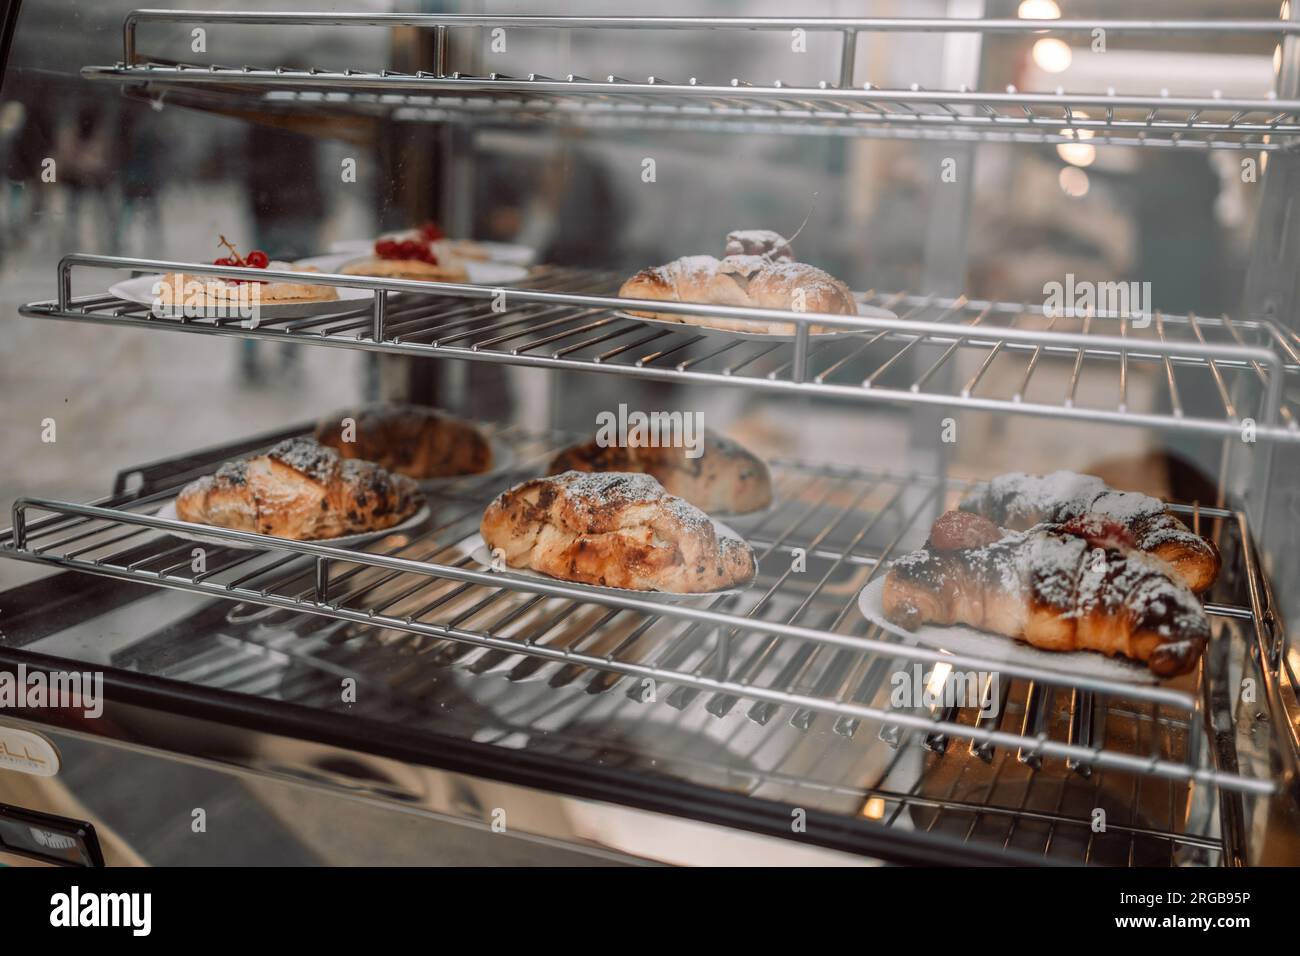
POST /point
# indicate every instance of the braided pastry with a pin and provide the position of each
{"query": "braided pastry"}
(299, 490)
(614, 529)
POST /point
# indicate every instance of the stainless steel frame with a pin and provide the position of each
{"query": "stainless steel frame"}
(787, 645)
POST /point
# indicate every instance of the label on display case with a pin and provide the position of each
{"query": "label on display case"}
(27, 752)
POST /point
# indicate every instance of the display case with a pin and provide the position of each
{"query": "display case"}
(762, 726)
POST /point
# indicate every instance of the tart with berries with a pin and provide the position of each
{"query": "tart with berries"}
(213, 291)
(416, 254)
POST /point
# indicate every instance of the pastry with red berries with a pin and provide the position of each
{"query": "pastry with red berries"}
(1096, 511)
(217, 291)
(421, 254)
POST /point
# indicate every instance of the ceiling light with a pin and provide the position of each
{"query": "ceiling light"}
(1052, 55)
(1039, 10)
(1074, 181)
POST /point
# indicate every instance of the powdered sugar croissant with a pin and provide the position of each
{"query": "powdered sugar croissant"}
(614, 529)
(757, 272)
(1050, 588)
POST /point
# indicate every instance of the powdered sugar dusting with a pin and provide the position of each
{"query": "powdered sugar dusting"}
(1062, 572)
(316, 461)
(1018, 500)
(601, 489)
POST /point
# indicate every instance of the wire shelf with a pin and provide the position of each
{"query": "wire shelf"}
(984, 796)
(1187, 373)
(792, 643)
(834, 105)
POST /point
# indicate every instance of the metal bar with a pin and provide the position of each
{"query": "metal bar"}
(848, 57)
(1267, 27)
(642, 368)
(377, 316)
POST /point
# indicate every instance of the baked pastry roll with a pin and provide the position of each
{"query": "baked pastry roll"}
(1049, 588)
(725, 479)
(301, 490)
(758, 271)
(411, 440)
(1019, 501)
(616, 530)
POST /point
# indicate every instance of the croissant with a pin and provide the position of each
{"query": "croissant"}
(745, 280)
(1020, 501)
(299, 490)
(725, 478)
(614, 529)
(409, 439)
(1050, 588)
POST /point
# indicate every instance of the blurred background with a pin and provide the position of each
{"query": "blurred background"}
(157, 181)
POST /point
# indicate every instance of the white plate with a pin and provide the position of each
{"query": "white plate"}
(477, 549)
(140, 290)
(960, 639)
(507, 252)
(864, 310)
(345, 541)
(503, 459)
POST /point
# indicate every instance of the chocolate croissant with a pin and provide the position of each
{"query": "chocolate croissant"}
(1049, 588)
(299, 490)
(1019, 501)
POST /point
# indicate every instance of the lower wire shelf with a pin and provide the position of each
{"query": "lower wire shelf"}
(789, 666)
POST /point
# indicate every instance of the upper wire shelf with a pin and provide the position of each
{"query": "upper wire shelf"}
(1183, 373)
(834, 105)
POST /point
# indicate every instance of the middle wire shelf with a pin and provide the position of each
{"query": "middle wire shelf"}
(1185, 373)
(794, 642)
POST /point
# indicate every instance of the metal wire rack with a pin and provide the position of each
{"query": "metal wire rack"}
(1104, 366)
(833, 105)
(987, 795)
(793, 644)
